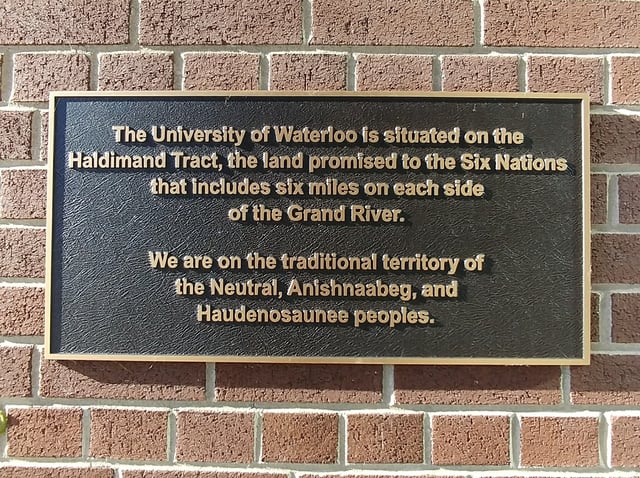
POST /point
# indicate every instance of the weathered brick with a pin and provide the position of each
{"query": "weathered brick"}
(595, 317)
(609, 380)
(129, 434)
(478, 385)
(22, 252)
(470, 440)
(15, 135)
(379, 438)
(615, 258)
(221, 71)
(625, 441)
(480, 73)
(298, 383)
(198, 474)
(629, 199)
(403, 22)
(23, 193)
(308, 72)
(218, 437)
(135, 71)
(122, 380)
(394, 72)
(625, 310)
(300, 437)
(559, 441)
(51, 22)
(615, 139)
(224, 22)
(598, 199)
(21, 311)
(562, 23)
(566, 74)
(36, 74)
(15, 363)
(45, 471)
(625, 79)
(44, 432)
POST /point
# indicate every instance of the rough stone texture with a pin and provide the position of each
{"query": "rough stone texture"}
(15, 135)
(629, 199)
(615, 139)
(64, 22)
(625, 442)
(598, 199)
(221, 71)
(44, 136)
(609, 380)
(478, 385)
(470, 440)
(15, 363)
(223, 22)
(36, 74)
(559, 441)
(218, 437)
(402, 22)
(625, 310)
(625, 79)
(562, 23)
(44, 432)
(122, 380)
(298, 383)
(394, 72)
(615, 258)
(198, 474)
(23, 193)
(480, 73)
(595, 317)
(308, 72)
(381, 438)
(21, 311)
(22, 252)
(135, 71)
(129, 434)
(566, 74)
(300, 437)
(45, 471)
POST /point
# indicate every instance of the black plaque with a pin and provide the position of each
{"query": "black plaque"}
(379, 228)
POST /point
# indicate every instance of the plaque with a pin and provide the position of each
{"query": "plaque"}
(318, 227)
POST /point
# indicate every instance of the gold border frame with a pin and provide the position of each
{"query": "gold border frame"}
(586, 233)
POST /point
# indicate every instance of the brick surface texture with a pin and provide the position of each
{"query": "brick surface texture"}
(625, 82)
(308, 72)
(394, 72)
(16, 366)
(625, 441)
(15, 141)
(22, 252)
(625, 310)
(36, 74)
(133, 71)
(55, 472)
(480, 73)
(24, 194)
(221, 71)
(609, 380)
(557, 74)
(598, 199)
(629, 199)
(21, 311)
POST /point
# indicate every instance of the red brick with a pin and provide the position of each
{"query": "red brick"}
(15, 379)
(298, 383)
(480, 73)
(562, 23)
(625, 310)
(45, 432)
(478, 385)
(198, 474)
(629, 199)
(22, 252)
(224, 22)
(615, 258)
(403, 22)
(44, 135)
(595, 318)
(566, 74)
(221, 71)
(625, 442)
(470, 440)
(615, 139)
(219, 437)
(54, 472)
(15, 135)
(609, 380)
(50, 22)
(136, 71)
(24, 193)
(394, 72)
(36, 74)
(598, 199)
(21, 311)
(122, 380)
(308, 72)
(396, 438)
(129, 434)
(300, 437)
(559, 441)
(625, 79)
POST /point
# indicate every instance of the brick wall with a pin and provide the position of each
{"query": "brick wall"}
(162, 420)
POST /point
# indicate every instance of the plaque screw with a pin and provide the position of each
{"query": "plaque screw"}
(3, 422)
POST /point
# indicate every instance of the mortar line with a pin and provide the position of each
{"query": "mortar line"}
(257, 436)
(134, 24)
(36, 136)
(427, 457)
(4, 443)
(514, 447)
(210, 382)
(436, 73)
(172, 436)
(523, 73)
(86, 432)
(604, 434)
(565, 385)
(264, 78)
(351, 80)
(478, 27)
(613, 203)
(94, 71)
(307, 22)
(605, 319)
(388, 392)
(178, 70)
(8, 64)
(342, 439)
(35, 371)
